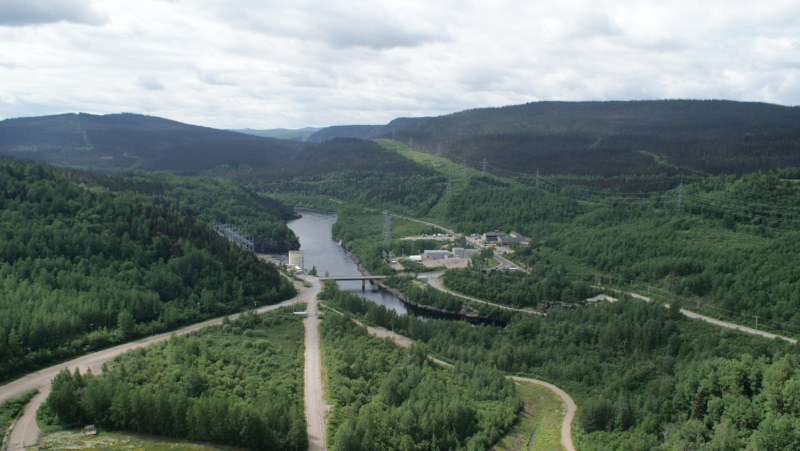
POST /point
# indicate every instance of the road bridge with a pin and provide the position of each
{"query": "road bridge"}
(363, 279)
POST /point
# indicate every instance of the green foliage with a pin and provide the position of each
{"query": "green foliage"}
(427, 295)
(11, 408)
(606, 138)
(545, 283)
(123, 142)
(212, 200)
(632, 369)
(356, 171)
(237, 384)
(391, 398)
(74, 260)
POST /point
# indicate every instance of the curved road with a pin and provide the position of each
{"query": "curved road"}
(566, 424)
(26, 432)
(717, 322)
(436, 283)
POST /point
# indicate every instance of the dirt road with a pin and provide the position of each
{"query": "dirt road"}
(566, 424)
(435, 282)
(717, 322)
(26, 431)
(314, 396)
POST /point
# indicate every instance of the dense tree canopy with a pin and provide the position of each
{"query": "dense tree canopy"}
(81, 269)
(236, 384)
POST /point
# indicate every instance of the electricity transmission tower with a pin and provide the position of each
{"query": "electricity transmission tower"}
(438, 152)
(679, 205)
(387, 229)
(449, 189)
(483, 168)
(537, 177)
(464, 175)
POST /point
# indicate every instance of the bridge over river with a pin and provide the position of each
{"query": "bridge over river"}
(363, 279)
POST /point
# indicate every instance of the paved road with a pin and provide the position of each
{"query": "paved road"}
(314, 396)
(26, 431)
(745, 329)
(566, 424)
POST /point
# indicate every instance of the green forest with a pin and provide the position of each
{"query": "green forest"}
(643, 377)
(84, 268)
(239, 384)
(391, 398)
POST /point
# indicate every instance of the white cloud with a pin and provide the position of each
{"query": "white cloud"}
(272, 64)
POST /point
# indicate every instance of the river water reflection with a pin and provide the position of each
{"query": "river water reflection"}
(319, 249)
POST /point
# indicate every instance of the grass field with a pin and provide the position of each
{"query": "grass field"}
(541, 416)
(75, 440)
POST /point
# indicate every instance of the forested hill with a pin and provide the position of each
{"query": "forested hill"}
(130, 141)
(362, 131)
(82, 269)
(665, 137)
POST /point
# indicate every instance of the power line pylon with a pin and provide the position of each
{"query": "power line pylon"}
(483, 168)
(387, 229)
(438, 152)
(449, 188)
(537, 177)
(464, 175)
(679, 204)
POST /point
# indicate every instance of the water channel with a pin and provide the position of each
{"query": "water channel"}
(320, 249)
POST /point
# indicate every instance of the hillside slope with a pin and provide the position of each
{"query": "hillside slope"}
(82, 269)
(129, 141)
(619, 138)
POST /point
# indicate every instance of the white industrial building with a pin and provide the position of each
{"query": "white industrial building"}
(436, 254)
(460, 252)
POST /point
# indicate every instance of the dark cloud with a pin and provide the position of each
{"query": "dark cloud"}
(17, 13)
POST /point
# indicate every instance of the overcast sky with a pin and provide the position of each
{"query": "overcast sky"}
(269, 64)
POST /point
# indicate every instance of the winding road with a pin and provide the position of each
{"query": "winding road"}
(26, 432)
(566, 424)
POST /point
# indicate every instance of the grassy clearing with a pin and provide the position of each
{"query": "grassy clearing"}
(75, 440)
(542, 415)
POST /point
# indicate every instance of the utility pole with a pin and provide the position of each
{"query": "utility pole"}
(483, 168)
(387, 229)
(438, 152)
(410, 143)
(537, 177)
(679, 205)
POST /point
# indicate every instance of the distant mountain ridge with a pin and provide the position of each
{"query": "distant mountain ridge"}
(665, 137)
(119, 142)
(363, 131)
(300, 134)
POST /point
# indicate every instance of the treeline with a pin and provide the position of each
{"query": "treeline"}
(357, 171)
(544, 283)
(604, 138)
(426, 295)
(124, 142)
(213, 200)
(82, 269)
(391, 398)
(237, 384)
(643, 377)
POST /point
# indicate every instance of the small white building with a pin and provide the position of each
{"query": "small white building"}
(415, 258)
(436, 254)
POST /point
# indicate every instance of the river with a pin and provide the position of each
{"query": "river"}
(319, 249)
